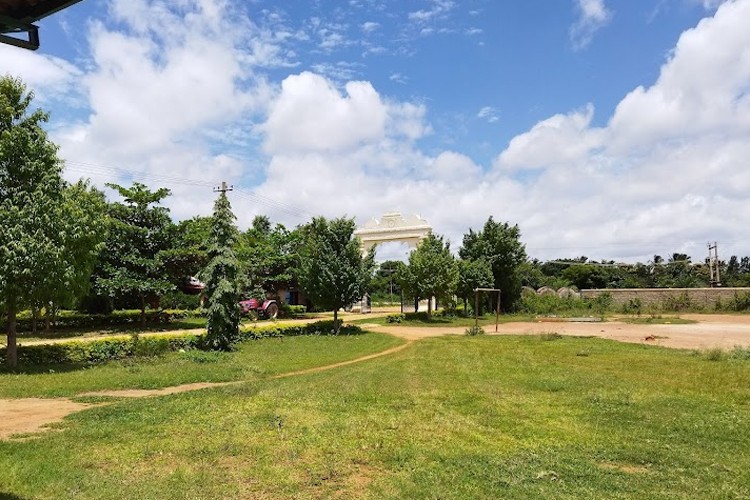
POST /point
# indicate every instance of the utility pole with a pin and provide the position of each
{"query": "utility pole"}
(713, 264)
(223, 188)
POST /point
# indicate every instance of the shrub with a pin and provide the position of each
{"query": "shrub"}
(395, 318)
(715, 354)
(474, 330)
(75, 320)
(97, 351)
(291, 311)
(602, 303)
(552, 304)
(633, 306)
(679, 303)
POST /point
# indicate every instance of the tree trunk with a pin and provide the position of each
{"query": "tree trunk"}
(466, 307)
(416, 304)
(429, 308)
(11, 349)
(336, 321)
(34, 319)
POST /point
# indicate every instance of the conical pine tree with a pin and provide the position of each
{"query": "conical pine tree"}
(221, 277)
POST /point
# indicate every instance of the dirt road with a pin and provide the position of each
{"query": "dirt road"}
(711, 330)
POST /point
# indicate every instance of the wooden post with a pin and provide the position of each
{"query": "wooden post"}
(476, 308)
(497, 311)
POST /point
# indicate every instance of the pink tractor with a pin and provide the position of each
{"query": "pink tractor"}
(268, 309)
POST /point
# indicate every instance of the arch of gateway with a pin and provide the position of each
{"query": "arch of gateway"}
(393, 226)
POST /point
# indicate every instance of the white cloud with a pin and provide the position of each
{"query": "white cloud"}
(593, 15)
(488, 113)
(439, 8)
(370, 26)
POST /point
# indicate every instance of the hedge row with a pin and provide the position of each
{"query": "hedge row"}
(97, 351)
(74, 320)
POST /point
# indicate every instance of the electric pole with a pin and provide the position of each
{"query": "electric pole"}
(713, 264)
(223, 188)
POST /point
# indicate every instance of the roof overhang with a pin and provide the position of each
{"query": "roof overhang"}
(17, 18)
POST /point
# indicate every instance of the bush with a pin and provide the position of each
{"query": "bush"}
(75, 320)
(395, 318)
(633, 306)
(552, 304)
(679, 303)
(474, 330)
(81, 352)
(291, 311)
(180, 300)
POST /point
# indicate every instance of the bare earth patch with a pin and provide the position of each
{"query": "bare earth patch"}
(29, 415)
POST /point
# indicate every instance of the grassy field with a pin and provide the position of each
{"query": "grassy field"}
(448, 417)
(485, 320)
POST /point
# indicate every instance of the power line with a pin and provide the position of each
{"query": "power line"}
(97, 169)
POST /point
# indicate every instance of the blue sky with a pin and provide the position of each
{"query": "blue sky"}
(613, 129)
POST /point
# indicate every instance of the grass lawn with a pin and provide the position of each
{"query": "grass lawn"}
(485, 320)
(448, 417)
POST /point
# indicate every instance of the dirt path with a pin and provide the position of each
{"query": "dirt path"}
(30, 415)
(724, 331)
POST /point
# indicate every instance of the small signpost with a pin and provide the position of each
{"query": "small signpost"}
(476, 305)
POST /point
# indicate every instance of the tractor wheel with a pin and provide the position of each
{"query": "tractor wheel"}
(272, 311)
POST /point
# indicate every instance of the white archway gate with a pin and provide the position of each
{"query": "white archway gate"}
(393, 227)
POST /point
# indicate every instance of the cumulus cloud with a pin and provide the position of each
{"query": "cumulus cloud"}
(665, 172)
(593, 15)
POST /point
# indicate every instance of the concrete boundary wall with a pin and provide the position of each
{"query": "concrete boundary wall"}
(704, 297)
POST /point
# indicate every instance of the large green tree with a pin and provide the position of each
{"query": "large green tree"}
(472, 274)
(432, 271)
(140, 233)
(46, 234)
(221, 277)
(333, 271)
(500, 245)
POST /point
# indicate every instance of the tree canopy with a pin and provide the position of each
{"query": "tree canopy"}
(333, 271)
(221, 276)
(49, 231)
(499, 244)
(431, 272)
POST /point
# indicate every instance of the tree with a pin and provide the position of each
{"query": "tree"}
(221, 276)
(500, 245)
(45, 239)
(268, 258)
(472, 274)
(432, 271)
(333, 271)
(84, 210)
(140, 233)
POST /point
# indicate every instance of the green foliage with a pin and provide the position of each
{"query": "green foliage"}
(500, 245)
(291, 311)
(473, 274)
(395, 318)
(268, 258)
(474, 330)
(633, 306)
(333, 271)
(97, 351)
(140, 233)
(122, 318)
(602, 303)
(431, 272)
(552, 304)
(680, 302)
(49, 231)
(222, 276)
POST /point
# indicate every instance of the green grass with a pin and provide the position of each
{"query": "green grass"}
(656, 320)
(252, 360)
(448, 417)
(458, 321)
